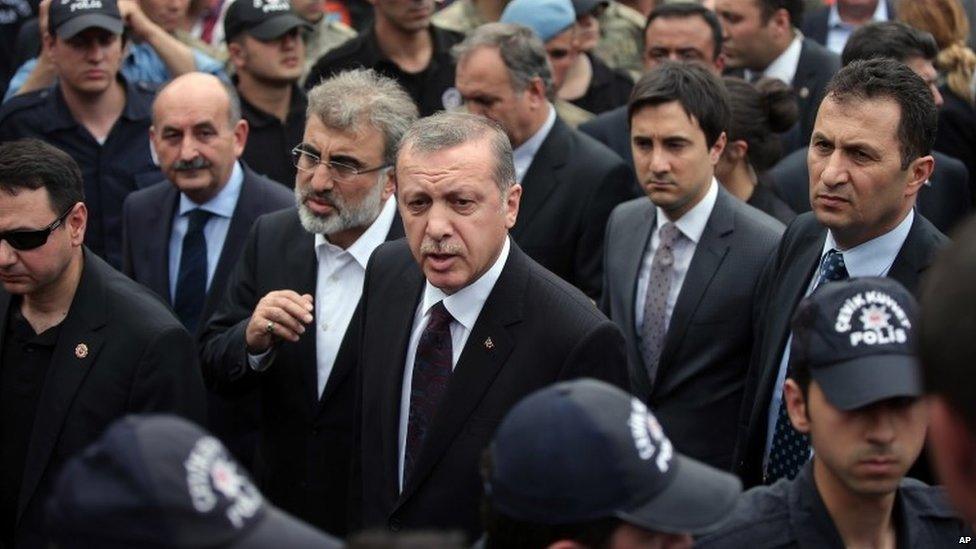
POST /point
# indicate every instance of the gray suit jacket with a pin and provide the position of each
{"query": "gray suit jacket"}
(698, 387)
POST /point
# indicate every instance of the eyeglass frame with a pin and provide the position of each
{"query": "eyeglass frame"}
(46, 231)
(299, 152)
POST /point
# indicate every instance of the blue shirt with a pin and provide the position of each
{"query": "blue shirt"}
(215, 231)
(872, 258)
(142, 64)
(838, 31)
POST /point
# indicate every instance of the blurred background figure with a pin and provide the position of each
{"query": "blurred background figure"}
(760, 113)
(833, 24)
(161, 481)
(590, 83)
(327, 31)
(947, 22)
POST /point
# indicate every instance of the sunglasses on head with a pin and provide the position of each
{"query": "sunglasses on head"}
(30, 239)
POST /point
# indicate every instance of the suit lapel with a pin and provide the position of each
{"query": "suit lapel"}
(633, 249)
(479, 363)
(912, 258)
(300, 268)
(542, 176)
(156, 248)
(79, 343)
(709, 254)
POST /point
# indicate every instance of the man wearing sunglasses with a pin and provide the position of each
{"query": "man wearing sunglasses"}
(282, 326)
(80, 344)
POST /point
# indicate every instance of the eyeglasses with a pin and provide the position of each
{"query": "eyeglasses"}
(28, 240)
(307, 162)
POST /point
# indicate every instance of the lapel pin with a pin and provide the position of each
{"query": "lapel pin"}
(489, 344)
(81, 350)
(804, 92)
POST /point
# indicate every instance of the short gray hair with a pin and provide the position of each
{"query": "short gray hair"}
(521, 50)
(358, 96)
(446, 130)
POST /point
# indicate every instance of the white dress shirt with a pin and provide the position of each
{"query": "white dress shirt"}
(338, 287)
(215, 231)
(838, 31)
(465, 306)
(784, 66)
(691, 226)
(522, 156)
(872, 258)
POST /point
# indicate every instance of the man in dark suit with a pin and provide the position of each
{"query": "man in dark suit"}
(945, 199)
(457, 325)
(683, 263)
(761, 40)
(282, 325)
(80, 344)
(571, 182)
(869, 156)
(831, 26)
(681, 31)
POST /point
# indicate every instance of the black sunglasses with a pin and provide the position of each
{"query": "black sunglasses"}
(28, 240)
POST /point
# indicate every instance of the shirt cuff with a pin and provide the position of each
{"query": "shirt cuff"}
(261, 361)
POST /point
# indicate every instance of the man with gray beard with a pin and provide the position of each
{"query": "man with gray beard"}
(282, 324)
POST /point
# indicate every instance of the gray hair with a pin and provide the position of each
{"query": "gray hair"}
(233, 100)
(446, 130)
(521, 50)
(353, 97)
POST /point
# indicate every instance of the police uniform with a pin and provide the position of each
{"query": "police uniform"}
(325, 36)
(432, 89)
(110, 170)
(269, 141)
(621, 43)
(792, 514)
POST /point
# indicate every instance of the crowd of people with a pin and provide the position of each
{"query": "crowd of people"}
(493, 273)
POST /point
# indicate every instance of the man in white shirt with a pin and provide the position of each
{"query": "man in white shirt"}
(683, 263)
(458, 325)
(832, 25)
(283, 324)
(869, 156)
(761, 40)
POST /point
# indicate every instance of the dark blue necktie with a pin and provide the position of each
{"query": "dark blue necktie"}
(191, 282)
(431, 372)
(790, 448)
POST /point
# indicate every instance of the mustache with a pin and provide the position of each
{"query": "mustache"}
(439, 248)
(324, 196)
(197, 163)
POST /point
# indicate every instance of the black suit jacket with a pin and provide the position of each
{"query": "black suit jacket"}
(303, 452)
(945, 200)
(816, 67)
(815, 24)
(784, 283)
(956, 135)
(613, 130)
(568, 193)
(139, 359)
(697, 389)
(534, 330)
(147, 223)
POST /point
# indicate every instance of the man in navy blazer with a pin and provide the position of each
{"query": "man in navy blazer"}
(707, 278)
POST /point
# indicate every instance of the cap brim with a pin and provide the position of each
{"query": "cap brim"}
(861, 381)
(72, 27)
(696, 501)
(276, 27)
(279, 529)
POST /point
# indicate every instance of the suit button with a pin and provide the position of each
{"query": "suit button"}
(395, 525)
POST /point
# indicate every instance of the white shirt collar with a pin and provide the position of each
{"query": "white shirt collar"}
(834, 20)
(874, 257)
(465, 304)
(224, 202)
(363, 247)
(784, 66)
(522, 156)
(692, 224)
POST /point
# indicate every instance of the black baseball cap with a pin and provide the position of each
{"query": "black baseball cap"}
(584, 450)
(263, 19)
(161, 481)
(857, 338)
(69, 17)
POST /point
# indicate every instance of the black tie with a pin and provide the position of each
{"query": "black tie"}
(191, 283)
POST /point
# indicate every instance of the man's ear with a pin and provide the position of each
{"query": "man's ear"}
(236, 54)
(389, 183)
(715, 152)
(796, 406)
(77, 221)
(919, 171)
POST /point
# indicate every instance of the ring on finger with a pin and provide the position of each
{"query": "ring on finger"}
(270, 327)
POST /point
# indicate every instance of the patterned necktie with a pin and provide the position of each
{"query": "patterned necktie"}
(431, 372)
(191, 282)
(790, 448)
(656, 304)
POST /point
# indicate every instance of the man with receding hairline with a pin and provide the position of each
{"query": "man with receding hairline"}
(457, 325)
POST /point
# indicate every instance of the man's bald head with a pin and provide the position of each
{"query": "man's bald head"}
(194, 87)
